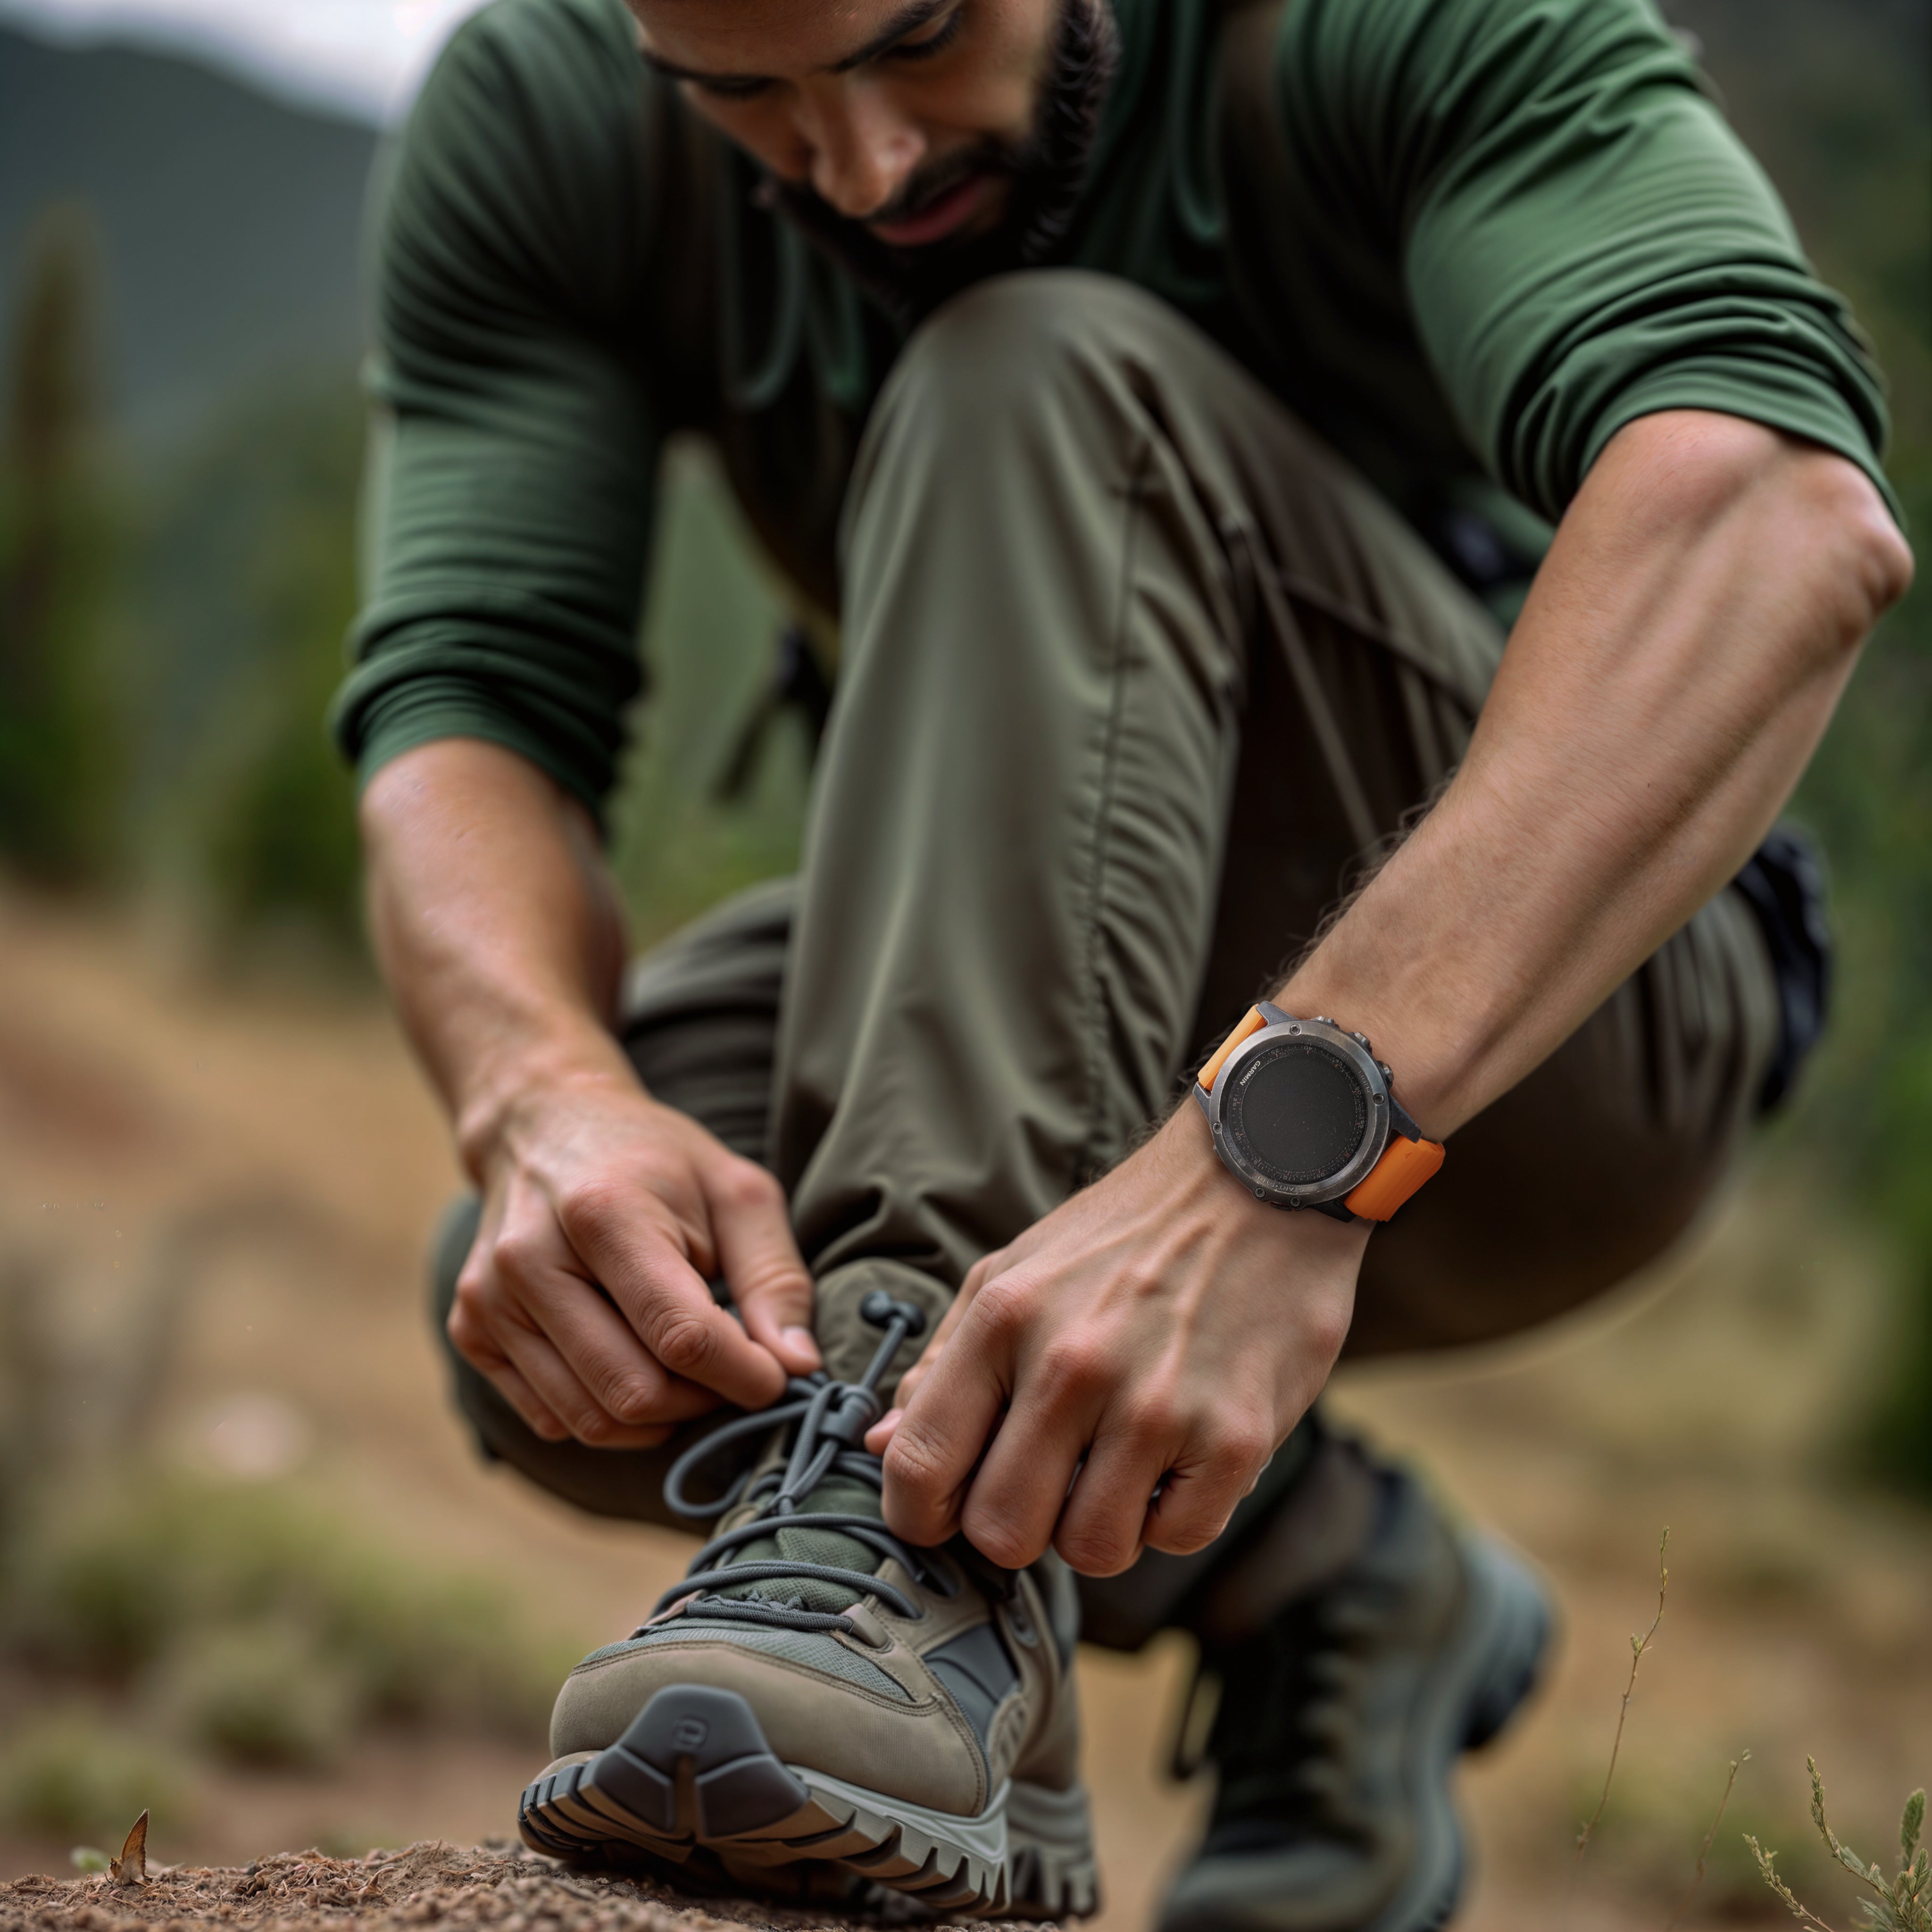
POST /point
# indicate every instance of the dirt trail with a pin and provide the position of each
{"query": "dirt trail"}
(434, 1883)
(271, 1162)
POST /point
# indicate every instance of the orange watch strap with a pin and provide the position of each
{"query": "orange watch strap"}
(1250, 1024)
(1405, 1165)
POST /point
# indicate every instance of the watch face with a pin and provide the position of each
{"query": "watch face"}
(1297, 1113)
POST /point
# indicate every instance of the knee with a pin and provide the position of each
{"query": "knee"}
(994, 353)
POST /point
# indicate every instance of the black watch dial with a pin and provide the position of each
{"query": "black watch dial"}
(1296, 1114)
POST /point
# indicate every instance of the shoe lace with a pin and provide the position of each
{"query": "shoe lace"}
(831, 1419)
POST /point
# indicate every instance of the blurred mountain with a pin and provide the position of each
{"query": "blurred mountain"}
(227, 224)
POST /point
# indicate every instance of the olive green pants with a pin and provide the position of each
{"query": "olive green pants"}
(1135, 671)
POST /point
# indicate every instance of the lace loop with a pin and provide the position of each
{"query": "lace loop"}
(831, 1419)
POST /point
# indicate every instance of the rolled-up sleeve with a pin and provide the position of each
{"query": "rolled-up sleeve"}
(513, 452)
(1583, 239)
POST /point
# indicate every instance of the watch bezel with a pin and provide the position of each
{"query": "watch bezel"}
(1325, 1035)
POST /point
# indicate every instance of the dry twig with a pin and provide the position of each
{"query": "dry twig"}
(1638, 1645)
(1710, 1838)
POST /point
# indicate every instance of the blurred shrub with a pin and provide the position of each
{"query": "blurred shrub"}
(268, 1694)
(1648, 1840)
(1898, 1901)
(60, 755)
(69, 1774)
(220, 1601)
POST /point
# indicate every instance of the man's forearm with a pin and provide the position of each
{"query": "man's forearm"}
(1678, 659)
(496, 926)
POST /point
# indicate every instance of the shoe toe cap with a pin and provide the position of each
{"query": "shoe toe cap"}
(820, 1705)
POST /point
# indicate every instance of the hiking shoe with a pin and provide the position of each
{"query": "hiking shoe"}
(1340, 1721)
(819, 1706)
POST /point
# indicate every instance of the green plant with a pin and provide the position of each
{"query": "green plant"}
(130, 1585)
(266, 1694)
(1901, 1903)
(69, 1774)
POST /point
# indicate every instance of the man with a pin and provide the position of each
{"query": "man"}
(1172, 402)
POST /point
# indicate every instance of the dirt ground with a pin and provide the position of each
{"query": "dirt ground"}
(265, 1164)
(452, 1886)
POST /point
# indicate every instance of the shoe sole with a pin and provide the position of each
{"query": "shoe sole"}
(1486, 1677)
(694, 1775)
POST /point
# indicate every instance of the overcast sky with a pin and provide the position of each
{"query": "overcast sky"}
(362, 57)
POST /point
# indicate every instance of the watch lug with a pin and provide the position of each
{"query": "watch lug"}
(1400, 1121)
(1202, 1101)
(1272, 1013)
(1336, 1210)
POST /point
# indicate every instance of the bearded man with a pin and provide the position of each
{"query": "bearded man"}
(1345, 520)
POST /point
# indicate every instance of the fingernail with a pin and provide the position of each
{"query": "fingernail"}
(800, 1338)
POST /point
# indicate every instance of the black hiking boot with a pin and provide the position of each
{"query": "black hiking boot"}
(1341, 1717)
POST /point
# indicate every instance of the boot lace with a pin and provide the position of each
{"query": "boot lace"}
(831, 1419)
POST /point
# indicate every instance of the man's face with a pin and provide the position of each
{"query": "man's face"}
(909, 118)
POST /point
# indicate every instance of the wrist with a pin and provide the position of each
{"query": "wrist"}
(1285, 1251)
(516, 1090)
(1189, 1166)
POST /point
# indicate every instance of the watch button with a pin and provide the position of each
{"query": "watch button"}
(1322, 1019)
(1386, 1071)
(1361, 1039)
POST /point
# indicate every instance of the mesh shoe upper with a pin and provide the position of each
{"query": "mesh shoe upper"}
(928, 1674)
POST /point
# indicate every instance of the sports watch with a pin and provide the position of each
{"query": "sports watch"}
(1303, 1115)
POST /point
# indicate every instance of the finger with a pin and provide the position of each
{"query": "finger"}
(881, 1432)
(532, 1281)
(770, 1286)
(1198, 1496)
(667, 1303)
(939, 1439)
(1014, 1501)
(1103, 1522)
(489, 1362)
(472, 1335)
(538, 1417)
(557, 1385)
(633, 1389)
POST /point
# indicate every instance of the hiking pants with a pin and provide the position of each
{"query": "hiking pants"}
(1134, 670)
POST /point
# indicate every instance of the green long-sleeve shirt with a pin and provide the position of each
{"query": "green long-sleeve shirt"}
(1468, 240)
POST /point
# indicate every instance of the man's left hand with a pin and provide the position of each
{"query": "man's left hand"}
(1117, 1378)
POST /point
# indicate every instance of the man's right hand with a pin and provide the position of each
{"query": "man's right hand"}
(605, 1215)
(584, 1298)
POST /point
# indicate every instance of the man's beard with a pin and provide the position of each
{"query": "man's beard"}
(1046, 170)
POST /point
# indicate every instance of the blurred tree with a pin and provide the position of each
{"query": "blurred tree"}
(1844, 122)
(58, 749)
(1836, 100)
(247, 584)
(282, 838)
